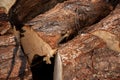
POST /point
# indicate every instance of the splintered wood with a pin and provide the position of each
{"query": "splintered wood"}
(95, 54)
(45, 32)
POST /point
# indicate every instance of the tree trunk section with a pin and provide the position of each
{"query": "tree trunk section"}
(93, 55)
(13, 65)
(45, 32)
(24, 10)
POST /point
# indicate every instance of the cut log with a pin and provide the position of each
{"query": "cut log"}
(25, 10)
(93, 55)
(108, 30)
(46, 31)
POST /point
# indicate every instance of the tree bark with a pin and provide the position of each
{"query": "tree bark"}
(65, 20)
(24, 10)
(12, 61)
(92, 55)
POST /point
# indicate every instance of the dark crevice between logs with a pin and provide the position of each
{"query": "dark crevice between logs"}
(41, 70)
(66, 39)
(114, 2)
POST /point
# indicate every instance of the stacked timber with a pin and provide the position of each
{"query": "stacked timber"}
(94, 54)
(46, 31)
(62, 39)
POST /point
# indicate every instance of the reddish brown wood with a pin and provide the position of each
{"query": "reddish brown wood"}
(24, 10)
(48, 30)
(13, 65)
(92, 56)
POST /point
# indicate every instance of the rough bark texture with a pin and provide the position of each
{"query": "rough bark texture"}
(12, 61)
(58, 24)
(24, 10)
(94, 56)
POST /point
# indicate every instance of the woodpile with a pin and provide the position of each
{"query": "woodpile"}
(58, 24)
(60, 39)
(95, 54)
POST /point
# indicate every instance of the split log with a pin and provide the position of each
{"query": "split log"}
(93, 55)
(24, 10)
(58, 24)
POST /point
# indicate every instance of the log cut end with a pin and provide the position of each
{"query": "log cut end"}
(110, 39)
